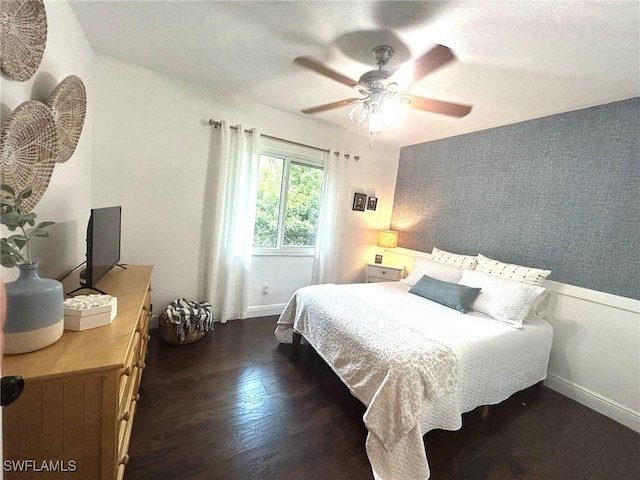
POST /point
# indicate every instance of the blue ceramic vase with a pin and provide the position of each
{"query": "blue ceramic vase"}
(35, 311)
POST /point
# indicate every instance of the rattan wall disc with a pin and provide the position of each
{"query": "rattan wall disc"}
(68, 104)
(23, 35)
(28, 148)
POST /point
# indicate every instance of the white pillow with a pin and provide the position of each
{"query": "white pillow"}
(460, 261)
(439, 271)
(531, 276)
(502, 299)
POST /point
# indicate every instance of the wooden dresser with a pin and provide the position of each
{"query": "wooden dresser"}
(76, 411)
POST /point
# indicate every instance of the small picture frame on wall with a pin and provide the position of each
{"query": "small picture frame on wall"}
(372, 203)
(359, 201)
(378, 259)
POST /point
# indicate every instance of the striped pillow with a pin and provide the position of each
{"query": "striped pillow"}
(461, 261)
(511, 271)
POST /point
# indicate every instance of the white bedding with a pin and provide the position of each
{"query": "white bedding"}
(451, 362)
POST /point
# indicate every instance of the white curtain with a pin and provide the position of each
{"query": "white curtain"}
(325, 262)
(228, 219)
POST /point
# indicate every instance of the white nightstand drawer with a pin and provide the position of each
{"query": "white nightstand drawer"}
(378, 279)
(383, 272)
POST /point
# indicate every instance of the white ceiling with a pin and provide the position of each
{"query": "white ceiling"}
(516, 60)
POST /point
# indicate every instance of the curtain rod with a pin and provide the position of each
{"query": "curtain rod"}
(215, 124)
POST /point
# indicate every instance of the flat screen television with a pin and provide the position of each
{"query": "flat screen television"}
(103, 245)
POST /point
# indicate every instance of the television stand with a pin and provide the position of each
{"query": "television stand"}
(68, 294)
(82, 279)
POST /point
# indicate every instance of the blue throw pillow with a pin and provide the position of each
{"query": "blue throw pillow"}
(451, 295)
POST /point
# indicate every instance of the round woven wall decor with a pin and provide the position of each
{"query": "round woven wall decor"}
(23, 35)
(28, 148)
(68, 104)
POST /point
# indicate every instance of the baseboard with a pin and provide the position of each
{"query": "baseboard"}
(264, 310)
(251, 312)
(594, 401)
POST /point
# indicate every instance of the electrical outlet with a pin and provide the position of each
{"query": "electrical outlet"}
(265, 289)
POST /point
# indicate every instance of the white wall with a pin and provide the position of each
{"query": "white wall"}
(151, 141)
(283, 275)
(67, 200)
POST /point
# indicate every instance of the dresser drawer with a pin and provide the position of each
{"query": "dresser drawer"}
(383, 272)
(128, 373)
(124, 433)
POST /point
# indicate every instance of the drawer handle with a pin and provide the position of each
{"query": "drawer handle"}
(141, 365)
(384, 272)
(125, 416)
(125, 459)
(126, 372)
(135, 398)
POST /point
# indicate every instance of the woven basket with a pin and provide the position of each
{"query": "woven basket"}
(23, 36)
(185, 321)
(28, 148)
(168, 333)
(68, 104)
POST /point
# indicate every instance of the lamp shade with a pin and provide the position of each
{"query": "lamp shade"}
(387, 239)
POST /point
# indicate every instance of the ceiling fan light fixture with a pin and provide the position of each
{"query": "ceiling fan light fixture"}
(376, 121)
(358, 113)
(391, 112)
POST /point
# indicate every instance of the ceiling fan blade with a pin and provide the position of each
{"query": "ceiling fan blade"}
(422, 66)
(329, 106)
(322, 69)
(437, 106)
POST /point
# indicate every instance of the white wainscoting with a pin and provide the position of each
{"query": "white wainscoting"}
(595, 357)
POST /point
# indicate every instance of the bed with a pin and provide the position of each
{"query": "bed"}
(416, 364)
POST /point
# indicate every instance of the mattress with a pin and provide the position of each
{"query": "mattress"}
(491, 361)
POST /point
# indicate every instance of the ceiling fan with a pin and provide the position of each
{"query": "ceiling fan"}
(381, 99)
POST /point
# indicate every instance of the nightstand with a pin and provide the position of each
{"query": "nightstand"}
(383, 273)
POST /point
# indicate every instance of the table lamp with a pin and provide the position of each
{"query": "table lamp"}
(386, 239)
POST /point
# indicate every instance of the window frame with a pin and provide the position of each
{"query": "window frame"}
(288, 157)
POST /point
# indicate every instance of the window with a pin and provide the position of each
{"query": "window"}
(288, 203)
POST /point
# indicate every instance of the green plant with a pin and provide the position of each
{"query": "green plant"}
(12, 216)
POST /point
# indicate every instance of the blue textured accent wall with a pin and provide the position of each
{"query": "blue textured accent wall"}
(560, 192)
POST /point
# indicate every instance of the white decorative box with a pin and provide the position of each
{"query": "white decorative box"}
(89, 311)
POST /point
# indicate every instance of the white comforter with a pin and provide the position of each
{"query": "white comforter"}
(415, 364)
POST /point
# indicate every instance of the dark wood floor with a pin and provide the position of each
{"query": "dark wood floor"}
(233, 406)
